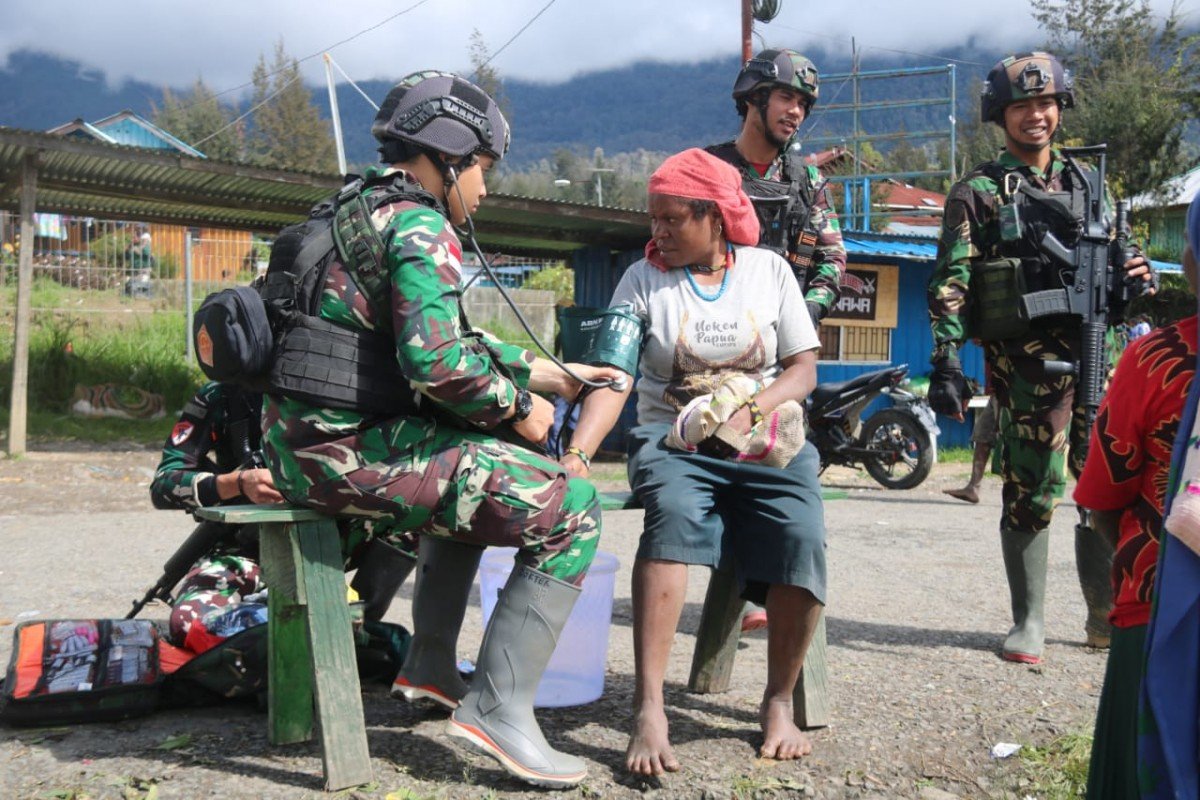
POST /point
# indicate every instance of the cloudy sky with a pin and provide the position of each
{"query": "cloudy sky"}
(173, 43)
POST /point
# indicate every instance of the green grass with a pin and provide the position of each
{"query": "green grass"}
(1059, 770)
(145, 351)
(955, 455)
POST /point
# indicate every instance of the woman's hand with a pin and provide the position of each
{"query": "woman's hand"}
(575, 466)
(741, 420)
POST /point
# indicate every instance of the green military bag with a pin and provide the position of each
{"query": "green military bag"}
(996, 289)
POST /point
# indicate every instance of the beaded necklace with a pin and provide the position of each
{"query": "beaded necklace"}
(727, 266)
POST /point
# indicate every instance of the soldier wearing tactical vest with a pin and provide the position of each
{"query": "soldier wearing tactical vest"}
(774, 93)
(458, 467)
(993, 221)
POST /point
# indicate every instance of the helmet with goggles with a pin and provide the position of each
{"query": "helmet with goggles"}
(772, 68)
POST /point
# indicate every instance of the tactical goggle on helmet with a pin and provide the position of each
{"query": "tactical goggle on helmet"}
(778, 68)
(442, 112)
(1022, 77)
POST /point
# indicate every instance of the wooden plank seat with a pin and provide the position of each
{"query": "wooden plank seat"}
(310, 642)
(721, 628)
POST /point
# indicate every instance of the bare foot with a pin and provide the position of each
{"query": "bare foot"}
(649, 752)
(781, 738)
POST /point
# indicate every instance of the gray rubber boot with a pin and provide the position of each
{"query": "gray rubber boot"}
(1025, 556)
(381, 572)
(1093, 561)
(445, 572)
(496, 716)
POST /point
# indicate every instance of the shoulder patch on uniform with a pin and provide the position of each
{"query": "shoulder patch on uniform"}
(181, 432)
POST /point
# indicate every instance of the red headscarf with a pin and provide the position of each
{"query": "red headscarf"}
(698, 175)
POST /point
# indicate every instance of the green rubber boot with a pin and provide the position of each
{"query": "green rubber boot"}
(1093, 561)
(496, 716)
(1025, 556)
(445, 572)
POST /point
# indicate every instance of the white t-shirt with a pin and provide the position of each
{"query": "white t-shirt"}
(690, 342)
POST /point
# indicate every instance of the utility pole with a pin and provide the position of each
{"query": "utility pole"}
(747, 30)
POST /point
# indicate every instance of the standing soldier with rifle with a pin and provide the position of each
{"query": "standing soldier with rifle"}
(1027, 264)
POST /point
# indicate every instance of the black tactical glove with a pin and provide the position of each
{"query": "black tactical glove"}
(816, 312)
(948, 389)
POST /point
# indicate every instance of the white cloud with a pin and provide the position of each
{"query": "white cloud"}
(220, 40)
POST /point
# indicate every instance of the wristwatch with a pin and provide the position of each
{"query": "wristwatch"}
(524, 405)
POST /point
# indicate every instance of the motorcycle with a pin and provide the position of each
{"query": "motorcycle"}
(896, 445)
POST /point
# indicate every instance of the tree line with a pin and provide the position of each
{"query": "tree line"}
(1136, 73)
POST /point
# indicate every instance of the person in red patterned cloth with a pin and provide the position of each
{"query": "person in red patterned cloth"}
(1124, 483)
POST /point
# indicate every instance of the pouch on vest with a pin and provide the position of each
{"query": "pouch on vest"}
(83, 670)
(996, 289)
(233, 337)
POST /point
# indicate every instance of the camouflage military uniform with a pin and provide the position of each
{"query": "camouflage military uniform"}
(1037, 413)
(219, 432)
(444, 472)
(823, 278)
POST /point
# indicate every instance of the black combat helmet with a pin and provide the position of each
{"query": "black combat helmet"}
(777, 68)
(440, 111)
(1021, 77)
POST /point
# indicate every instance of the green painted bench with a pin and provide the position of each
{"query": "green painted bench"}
(721, 627)
(310, 642)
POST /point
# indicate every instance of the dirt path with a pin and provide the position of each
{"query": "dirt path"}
(917, 607)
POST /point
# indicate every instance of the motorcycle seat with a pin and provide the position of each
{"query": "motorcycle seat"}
(826, 392)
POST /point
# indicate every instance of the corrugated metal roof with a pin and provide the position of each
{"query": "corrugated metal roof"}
(90, 178)
(868, 244)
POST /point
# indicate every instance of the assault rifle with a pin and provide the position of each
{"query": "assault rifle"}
(198, 544)
(1095, 285)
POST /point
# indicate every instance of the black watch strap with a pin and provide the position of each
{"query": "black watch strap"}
(524, 405)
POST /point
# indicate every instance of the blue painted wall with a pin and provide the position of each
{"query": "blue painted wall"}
(597, 272)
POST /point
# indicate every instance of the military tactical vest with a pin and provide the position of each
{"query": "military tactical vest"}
(784, 208)
(318, 361)
(1015, 263)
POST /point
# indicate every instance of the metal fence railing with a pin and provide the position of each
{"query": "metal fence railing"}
(90, 267)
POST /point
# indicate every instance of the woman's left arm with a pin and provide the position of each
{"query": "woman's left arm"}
(797, 380)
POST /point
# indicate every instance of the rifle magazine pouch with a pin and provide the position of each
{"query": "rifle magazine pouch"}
(82, 670)
(996, 289)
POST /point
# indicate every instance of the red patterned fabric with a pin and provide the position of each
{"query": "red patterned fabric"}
(1130, 456)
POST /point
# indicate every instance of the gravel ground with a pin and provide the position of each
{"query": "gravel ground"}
(917, 609)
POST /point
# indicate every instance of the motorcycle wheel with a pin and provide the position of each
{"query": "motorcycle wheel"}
(905, 454)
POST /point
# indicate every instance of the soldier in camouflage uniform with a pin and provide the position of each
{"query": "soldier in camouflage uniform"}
(211, 457)
(774, 93)
(462, 470)
(1038, 412)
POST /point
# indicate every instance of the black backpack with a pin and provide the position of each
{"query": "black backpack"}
(271, 338)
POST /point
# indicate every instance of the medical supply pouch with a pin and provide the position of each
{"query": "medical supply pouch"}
(83, 670)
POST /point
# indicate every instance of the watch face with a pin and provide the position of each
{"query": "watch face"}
(524, 405)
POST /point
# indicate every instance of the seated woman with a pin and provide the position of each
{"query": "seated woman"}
(713, 306)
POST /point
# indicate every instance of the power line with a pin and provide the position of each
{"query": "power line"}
(510, 41)
(268, 99)
(332, 46)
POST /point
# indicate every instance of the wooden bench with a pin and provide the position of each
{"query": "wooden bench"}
(721, 628)
(310, 642)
